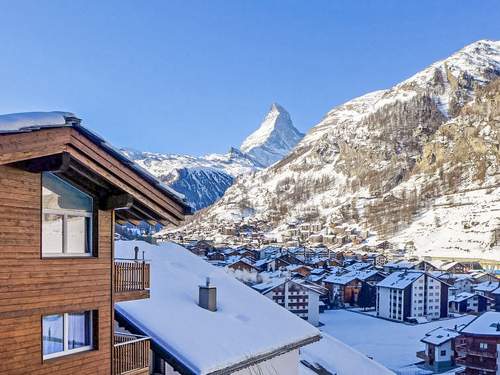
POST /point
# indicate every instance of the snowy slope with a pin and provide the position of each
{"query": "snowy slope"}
(381, 157)
(203, 180)
(274, 139)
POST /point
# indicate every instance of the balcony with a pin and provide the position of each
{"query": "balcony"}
(422, 355)
(130, 354)
(488, 365)
(131, 279)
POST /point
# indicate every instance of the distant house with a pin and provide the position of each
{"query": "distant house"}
(487, 288)
(412, 296)
(298, 296)
(496, 294)
(478, 350)
(201, 247)
(215, 326)
(466, 302)
(439, 353)
(345, 288)
(243, 264)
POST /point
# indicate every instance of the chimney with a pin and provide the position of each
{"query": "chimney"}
(208, 296)
(136, 252)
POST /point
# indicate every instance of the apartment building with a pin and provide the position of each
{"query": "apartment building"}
(412, 296)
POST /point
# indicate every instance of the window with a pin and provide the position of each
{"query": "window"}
(66, 218)
(443, 353)
(67, 333)
(483, 345)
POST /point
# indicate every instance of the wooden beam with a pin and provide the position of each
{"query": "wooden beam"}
(117, 202)
(96, 168)
(54, 163)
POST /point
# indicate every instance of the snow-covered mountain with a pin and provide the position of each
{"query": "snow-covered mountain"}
(274, 139)
(203, 180)
(400, 162)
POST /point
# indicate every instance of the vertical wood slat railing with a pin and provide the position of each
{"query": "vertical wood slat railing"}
(130, 353)
(131, 275)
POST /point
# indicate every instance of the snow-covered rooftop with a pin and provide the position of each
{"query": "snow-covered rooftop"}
(245, 325)
(486, 324)
(400, 279)
(487, 286)
(348, 277)
(15, 122)
(439, 336)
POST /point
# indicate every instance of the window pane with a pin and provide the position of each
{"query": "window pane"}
(52, 233)
(79, 229)
(79, 330)
(59, 194)
(53, 330)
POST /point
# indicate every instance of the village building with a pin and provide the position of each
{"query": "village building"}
(439, 353)
(467, 302)
(487, 288)
(344, 289)
(210, 326)
(62, 189)
(479, 347)
(298, 296)
(412, 296)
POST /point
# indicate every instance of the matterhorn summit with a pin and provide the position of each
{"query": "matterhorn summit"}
(274, 139)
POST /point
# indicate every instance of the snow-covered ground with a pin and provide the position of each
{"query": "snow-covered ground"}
(392, 344)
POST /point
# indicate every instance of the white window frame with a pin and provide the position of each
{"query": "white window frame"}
(65, 350)
(65, 214)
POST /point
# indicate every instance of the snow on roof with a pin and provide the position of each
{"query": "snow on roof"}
(16, 122)
(439, 336)
(400, 279)
(358, 266)
(400, 263)
(348, 277)
(29, 121)
(460, 297)
(339, 358)
(486, 324)
(269, 285)
(245, 325)
(487, 286)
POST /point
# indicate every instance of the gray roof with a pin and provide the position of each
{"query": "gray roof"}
(32, 121)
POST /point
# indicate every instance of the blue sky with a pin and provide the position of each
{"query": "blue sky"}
(198, 76)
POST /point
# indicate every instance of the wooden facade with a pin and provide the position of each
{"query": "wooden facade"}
(33, 286)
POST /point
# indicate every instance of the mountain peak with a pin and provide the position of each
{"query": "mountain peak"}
(274, 139)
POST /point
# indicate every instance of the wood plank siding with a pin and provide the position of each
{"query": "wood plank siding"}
(31, 287)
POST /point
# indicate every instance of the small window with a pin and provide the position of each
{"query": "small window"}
(443, 353)
(67, 333)
(67, 215)
(483, 345)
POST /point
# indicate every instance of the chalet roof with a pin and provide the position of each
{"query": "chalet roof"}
(439, 336)
(72, 147)
(358, 266)
(246, 328)
(487, 286)
(460, 297)
(487, 324)
(361, 275)
(31, 121)
(400, 279)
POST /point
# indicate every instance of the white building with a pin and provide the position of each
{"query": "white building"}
(298, 296)
(439, 353)
(412, 296)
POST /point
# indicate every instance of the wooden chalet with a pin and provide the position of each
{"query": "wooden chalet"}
(62, 189)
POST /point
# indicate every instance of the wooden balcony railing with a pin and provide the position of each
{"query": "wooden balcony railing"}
(487, 365)
(422, 355)
(130, 354)
(131, 275)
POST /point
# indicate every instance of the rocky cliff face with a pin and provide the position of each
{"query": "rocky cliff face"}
(384, 159)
